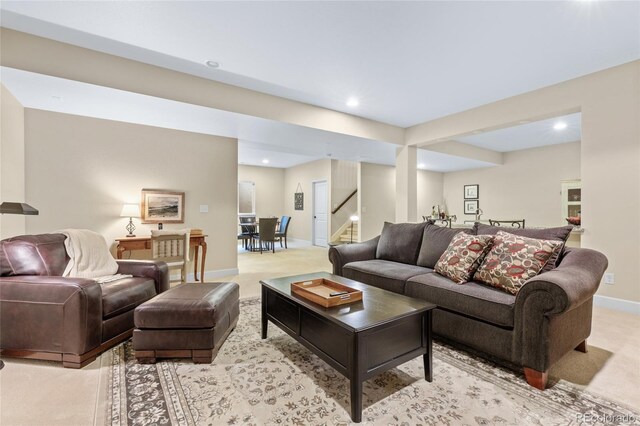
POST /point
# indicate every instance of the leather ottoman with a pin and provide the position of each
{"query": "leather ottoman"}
(191, 320)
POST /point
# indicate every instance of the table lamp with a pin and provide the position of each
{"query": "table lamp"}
(353, 218)
(130, 211)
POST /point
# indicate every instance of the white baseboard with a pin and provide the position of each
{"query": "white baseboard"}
(211, 275)
(299, 241)
(617, 304)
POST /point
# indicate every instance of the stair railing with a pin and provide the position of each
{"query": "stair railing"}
(334, 211)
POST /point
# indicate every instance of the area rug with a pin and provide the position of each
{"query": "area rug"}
(279, 382)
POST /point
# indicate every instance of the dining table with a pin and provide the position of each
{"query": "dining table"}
(255, 231)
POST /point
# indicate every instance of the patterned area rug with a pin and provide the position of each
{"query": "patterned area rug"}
(278, 381)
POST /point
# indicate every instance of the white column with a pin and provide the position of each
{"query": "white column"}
(406, 184)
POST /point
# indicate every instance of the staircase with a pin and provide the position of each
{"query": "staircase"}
(345, 237)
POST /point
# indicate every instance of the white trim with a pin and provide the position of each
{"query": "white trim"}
(210, 275)
(299, 241)
(336, 235)
(617, 304)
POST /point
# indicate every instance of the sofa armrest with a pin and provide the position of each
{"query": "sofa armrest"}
(553, 309)
(345, 253)
(157, 270)
(569, 285)
(50, 313)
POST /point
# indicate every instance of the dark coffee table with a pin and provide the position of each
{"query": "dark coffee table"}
(361, 339)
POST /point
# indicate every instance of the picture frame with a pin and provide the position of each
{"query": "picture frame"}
(298, 201)
(161, 206)
(471, 192)
(471, 206)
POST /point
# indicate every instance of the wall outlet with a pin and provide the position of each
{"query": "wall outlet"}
(204, 208)
(609, 278)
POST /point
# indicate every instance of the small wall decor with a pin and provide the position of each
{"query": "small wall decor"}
(471, 192)
(298, 198)
(159, 206)
(471, 206)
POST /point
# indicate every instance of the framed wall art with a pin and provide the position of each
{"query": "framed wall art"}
(471, 192)
(298, 198)
(471, 206)
(159, 206)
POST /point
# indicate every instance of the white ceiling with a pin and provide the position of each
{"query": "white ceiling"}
(284, 145)
(407, 62)
(529, 135)
(260, 139)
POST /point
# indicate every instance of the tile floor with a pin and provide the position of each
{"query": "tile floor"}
(43, 393)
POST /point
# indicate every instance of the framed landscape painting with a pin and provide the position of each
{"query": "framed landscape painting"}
(160, 206)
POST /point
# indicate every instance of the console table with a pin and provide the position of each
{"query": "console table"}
(144, 243)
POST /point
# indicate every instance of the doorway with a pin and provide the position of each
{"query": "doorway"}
(320, 216)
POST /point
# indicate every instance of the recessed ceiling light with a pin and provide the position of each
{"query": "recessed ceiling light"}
(265, 161)
(353, 102)
(213, 64)
(560, 125)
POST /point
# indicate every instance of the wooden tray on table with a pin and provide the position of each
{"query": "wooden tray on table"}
(326, 292)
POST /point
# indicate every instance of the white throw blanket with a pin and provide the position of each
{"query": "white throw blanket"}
(89, 256)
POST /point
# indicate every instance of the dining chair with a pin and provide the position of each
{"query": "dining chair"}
(514, 223)
(282, 231)
(247, 231)
(171, 247)
(266, 233)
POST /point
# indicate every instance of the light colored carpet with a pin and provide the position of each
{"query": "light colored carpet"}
(278, 381)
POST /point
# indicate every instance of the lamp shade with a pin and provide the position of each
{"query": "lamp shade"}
(354, 218)
(130, 210)
(17, 208)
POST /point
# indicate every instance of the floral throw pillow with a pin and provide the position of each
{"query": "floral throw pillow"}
(465, 252)
(514, 259)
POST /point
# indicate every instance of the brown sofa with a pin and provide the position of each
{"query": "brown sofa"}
(549, 316)
(46, 316)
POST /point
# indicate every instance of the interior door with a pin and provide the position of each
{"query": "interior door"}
(320, 215)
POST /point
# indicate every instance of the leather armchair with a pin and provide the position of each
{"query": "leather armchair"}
(46, 316)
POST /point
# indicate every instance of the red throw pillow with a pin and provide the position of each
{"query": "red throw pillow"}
(514, 259)
(465, 252)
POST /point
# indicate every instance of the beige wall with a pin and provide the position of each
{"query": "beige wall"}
(304, 174)
(610, 157)
(526, 186)
(12, 162)
(376, 198)
(269, 188)
(430, 191)
(81, 170)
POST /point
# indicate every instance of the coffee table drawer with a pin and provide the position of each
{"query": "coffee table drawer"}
(391, 341)
(283, 311)
(326, 336)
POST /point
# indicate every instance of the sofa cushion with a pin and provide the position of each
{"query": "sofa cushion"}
(560, 233)
(435, 240)
(124, 295)
(463, 256)
(472, 299)
(42, 254)
(384, 274)
(514, 259)
(400, 242)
